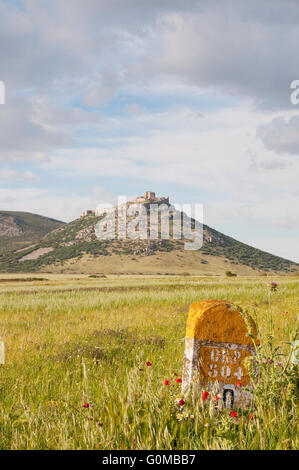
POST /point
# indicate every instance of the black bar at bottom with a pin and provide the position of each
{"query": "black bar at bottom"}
(136, 459)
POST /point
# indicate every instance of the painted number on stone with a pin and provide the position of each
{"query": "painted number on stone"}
(223, 364)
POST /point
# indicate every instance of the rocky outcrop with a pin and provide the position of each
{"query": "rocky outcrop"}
(10, 228)
(86, 233)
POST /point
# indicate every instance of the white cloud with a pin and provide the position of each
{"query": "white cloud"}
(241, 49)
(217, 151)
(44, 202)
(236, 58)
(284, 246)
(274, 213)
(21, 136)
(238, 49)
(133, 108)
(8, 174)
(281, 135)
(53, 117)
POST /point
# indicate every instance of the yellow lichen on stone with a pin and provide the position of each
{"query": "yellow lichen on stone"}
(220, 322)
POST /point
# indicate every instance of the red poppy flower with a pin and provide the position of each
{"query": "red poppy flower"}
(251, 416)
(166, 382)
(179, 381)
(239, 384)
(181, 402)
(216, 397)
(86, 405)
(148, 363)
(205, 395)
(234, 414)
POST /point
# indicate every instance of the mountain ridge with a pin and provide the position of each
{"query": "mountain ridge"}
(74, 247)
(18, 229)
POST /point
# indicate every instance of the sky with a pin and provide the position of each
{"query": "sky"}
(190, 99)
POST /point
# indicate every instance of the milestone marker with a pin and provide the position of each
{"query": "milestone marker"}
(216, 344)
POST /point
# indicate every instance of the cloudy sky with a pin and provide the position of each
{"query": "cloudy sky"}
(190, 99)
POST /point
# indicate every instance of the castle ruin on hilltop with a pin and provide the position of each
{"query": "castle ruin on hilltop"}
(148, 197)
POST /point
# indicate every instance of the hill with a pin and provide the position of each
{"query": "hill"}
(75, 248)
(18, 229)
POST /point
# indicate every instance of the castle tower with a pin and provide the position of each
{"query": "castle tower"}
(149, 195)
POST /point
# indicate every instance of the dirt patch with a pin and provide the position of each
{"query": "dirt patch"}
(37, 253)
(25, 248)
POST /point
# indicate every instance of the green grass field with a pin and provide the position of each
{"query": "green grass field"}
(71, 339)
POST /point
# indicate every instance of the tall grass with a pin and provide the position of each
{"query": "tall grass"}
(67, 346)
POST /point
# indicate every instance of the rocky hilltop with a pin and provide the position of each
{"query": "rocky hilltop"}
(75, 247)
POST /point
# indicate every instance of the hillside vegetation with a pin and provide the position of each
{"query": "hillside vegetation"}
(74, 247)
(18, 229)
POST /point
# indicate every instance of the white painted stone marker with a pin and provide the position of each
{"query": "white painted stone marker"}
(217, 342)
(2, 353)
